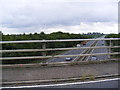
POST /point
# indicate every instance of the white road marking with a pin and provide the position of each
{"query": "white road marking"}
(89, 57)
(63, 84)
(81, 52)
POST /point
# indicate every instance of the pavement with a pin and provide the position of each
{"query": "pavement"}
(58, 72)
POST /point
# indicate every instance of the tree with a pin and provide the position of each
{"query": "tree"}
(42, 32)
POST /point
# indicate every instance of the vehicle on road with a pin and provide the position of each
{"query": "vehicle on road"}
(102, 43)
(83, 43)
(93, 58)
(68, 59)
(78, 45)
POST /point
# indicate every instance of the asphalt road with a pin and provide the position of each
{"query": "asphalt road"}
(100, 50)
(101, 84)
(108, 83)
(70, 52)
(79, 51)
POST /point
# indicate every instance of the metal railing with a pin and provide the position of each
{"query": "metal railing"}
(63, 40)
(54, 49)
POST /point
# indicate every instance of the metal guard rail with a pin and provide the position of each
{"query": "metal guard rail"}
(62, 40)
(57, 56)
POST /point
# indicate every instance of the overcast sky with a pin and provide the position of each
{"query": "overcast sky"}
(73, 16)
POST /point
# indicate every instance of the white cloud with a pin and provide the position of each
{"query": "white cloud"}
(19, 16)
(103, 27)
(88, 27)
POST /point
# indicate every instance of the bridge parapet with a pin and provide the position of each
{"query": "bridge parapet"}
(44, 43)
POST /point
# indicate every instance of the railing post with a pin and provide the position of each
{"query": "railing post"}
(44, 47)
(110, 49)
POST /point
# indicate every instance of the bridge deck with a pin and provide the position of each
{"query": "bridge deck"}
(45, 73)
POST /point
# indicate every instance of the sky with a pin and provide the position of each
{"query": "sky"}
(73, 16)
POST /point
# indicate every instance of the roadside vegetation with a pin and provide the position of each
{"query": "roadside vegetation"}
(87, 76)
(40, 36)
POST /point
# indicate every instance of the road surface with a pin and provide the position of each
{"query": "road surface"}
(100, 50)
(79, 51)
(107, 83)
(70, 52)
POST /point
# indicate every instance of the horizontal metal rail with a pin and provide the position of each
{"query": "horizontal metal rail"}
(55, 63)
(62, 40)
(57, 49)
(51, 49)
(56, 56)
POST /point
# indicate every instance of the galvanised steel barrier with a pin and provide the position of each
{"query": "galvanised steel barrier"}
(54, 49)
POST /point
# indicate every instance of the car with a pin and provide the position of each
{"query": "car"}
(83, 43)
(68, 59)
(102, 43)
(93, 58)
(78, 45)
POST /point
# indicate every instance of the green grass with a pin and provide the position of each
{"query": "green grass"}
(83, 77)
(91, 77)
(87, 76)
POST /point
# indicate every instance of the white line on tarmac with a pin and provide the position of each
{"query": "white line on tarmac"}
(81, 53)
(91, 52)
(63, 84)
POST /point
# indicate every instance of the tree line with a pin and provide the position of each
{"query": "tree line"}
(43, 36)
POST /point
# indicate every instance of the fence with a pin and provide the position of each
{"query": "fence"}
(54, 49)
